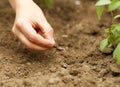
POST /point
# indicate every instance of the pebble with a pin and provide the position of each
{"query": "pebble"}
(61, 44)
(64, 66)
(59, 48)
(53, 80)
(64, 36)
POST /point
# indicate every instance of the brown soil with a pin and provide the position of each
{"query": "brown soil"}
(75, 61)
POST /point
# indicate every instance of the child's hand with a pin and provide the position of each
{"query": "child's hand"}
(31, 27)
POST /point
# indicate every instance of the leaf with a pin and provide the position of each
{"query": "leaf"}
(116, 53)
(116, 29)
(103, 2)
(103, 44)
(100, 11)
(117, 16)
(114, 5)
(48, 2)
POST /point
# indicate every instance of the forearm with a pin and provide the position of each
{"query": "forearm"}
(30, 17)
(18, 4)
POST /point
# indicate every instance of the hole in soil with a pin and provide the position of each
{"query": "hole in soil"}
(95, 33)
(101, 25)
(115, 74)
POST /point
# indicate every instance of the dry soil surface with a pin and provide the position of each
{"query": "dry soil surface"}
(75, 61)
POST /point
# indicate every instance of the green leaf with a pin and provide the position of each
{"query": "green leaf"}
(100, 11)
(117, 16)
(103, 44)
(116, 53)
(103, 2)
(48, 2)
(114, 5)
(115, 28)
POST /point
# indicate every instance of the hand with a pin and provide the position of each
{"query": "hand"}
(31, 27)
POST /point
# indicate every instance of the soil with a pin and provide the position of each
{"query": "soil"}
(75, 61)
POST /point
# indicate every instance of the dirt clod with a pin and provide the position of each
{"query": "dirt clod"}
(103, 72)
(74, 72)
(115, 69)
(53, 80)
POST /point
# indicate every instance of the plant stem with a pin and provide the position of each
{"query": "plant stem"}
(111, 18)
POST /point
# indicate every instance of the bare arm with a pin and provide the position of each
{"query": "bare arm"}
(31, 26)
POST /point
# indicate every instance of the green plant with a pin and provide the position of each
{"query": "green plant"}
(113, 32)
(48, 2)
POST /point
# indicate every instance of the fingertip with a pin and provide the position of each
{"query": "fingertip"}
(51, 44)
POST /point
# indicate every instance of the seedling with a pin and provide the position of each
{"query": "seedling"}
(113, 32)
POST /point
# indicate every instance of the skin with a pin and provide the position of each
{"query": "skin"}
(31, 26)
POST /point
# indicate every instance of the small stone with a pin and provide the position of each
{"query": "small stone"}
(61, 44)
(59, 48)
(65, 36)
(64, 65)
(53, 80)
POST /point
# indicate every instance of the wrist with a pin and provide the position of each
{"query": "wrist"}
(19, 4)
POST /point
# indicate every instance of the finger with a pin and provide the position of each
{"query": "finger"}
(32, 35)
(46, 29)
(26, 42)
